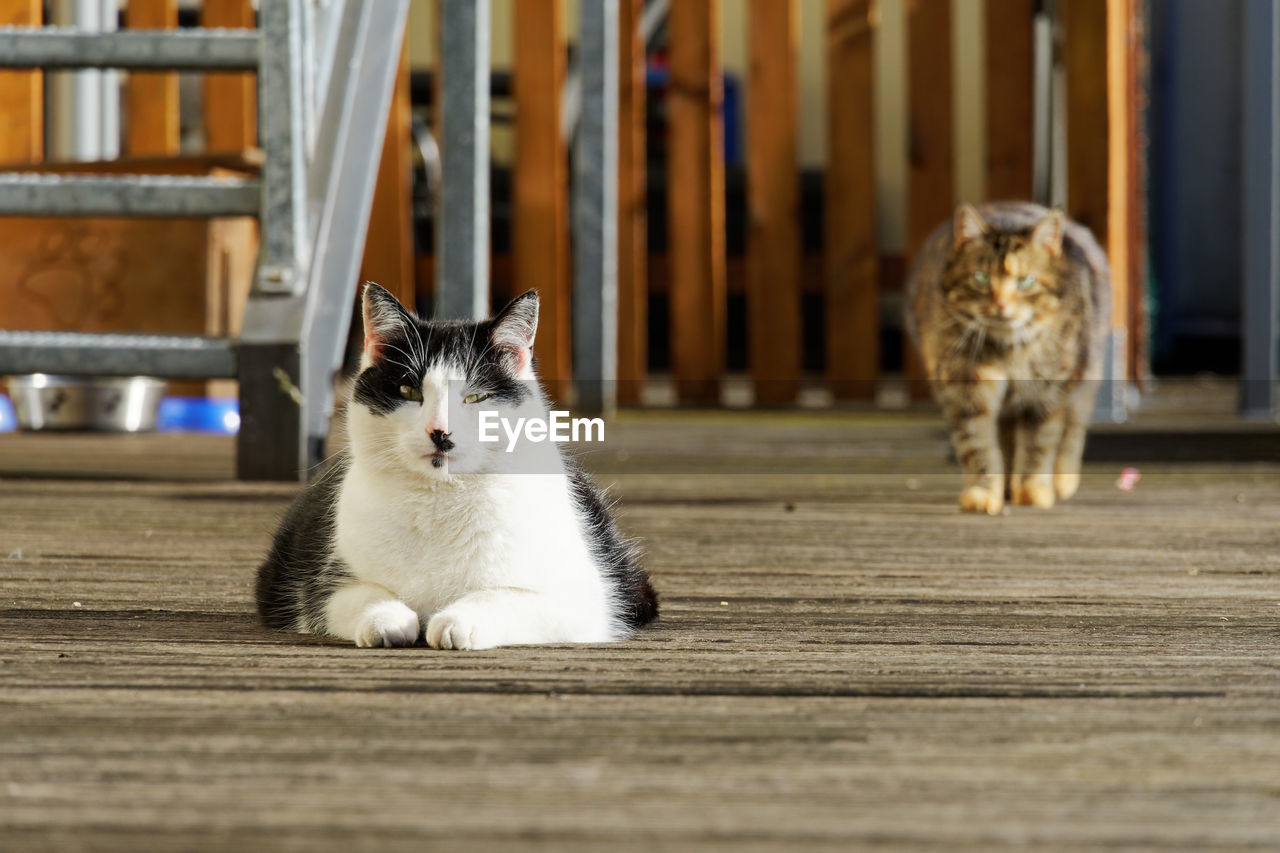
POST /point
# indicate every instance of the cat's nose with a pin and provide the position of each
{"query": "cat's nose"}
(441, 440)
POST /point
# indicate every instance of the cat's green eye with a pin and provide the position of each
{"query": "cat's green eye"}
(475, 398)
(1026, 282)
(411, 393)
(981, 278)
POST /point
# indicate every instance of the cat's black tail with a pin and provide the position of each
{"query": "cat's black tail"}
(619, 559)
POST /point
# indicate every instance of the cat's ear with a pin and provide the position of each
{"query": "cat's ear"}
(384, 316)
(514, 329)
(968, 227)
(1047, 235)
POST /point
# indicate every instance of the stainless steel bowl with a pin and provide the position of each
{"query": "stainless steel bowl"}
(44, 402)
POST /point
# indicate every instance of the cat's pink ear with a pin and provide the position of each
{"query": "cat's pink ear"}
(514, 329)
(383, 316)
(968, 227)
(1047, 235)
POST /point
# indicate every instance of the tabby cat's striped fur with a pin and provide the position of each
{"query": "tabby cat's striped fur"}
(1006, 304)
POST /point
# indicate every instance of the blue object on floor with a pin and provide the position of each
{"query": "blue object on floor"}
(8, 417)
(197, 414)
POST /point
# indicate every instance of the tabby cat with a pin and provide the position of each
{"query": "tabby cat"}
(1006, 306)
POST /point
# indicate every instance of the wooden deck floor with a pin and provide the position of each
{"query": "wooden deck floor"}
(843, 661)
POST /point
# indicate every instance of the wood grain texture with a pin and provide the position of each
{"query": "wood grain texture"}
(151, 97)
(230, 99)
(21, 94)
(540, 239)
(773, 202)
(1008, 78)
(851, 251)
(633, 211)
(1084, 24)
(695, 189)
(388, 245)
(930, 158)
(843, 661)
(1123, 202)
(1100, 40)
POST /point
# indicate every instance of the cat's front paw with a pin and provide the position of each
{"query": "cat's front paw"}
(457, 628)
(988, 499)
(1035, 491)
(387, 624)
(1066, 485)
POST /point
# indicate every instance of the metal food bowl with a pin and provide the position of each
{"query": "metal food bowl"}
(46, 402)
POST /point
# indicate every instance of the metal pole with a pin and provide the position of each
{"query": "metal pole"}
(462, 282)
(77, 124)
(110, 81)
(595, 212)
(282, 112)
(1261, 244)
(272, 442)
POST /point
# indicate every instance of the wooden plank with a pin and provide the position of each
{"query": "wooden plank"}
(1102, 145)
(773, 201)
(820, 682)
(540, 192)
(21, 94)
(695, 191)
(931, 167)
(1084, 25)
(1125, 231)
(1008, 78)
(633, 211)
(152, 96)
(230, 100)
(851, 257)
(388, 247)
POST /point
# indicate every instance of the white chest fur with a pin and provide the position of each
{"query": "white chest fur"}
(432, 543)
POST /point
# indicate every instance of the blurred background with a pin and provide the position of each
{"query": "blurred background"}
(778, 162)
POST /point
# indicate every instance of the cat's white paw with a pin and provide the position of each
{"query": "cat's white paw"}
(387, 624)
(457, 628)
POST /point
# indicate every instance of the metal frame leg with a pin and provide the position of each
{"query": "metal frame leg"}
(343, 178)
(462, 282)
(595, 212)
(1261, 244)
(296, 323)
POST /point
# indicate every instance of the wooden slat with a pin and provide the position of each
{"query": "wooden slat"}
(1102, 141)
(540, 246)
(1008, 80)
(152, 96)
(230, 100)
(773, 220)
(1088, 129)
(21, 94)
(1125, 232)
(851, 261)
(931, 179)
(695, 191)
(388, 247)
(633, 216)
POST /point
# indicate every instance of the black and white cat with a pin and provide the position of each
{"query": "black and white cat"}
(425, 525)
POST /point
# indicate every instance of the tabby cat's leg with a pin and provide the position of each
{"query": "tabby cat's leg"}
(1008, 428)
(1039, 439)
(1066, 467)
(971, 409)
(370, 616)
